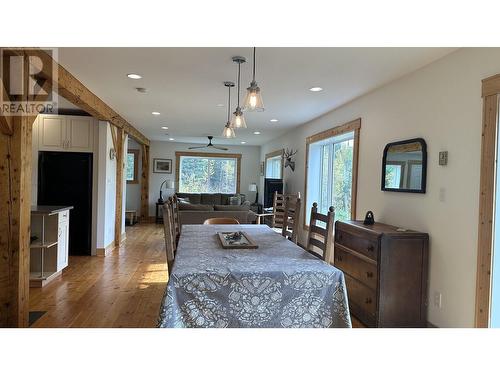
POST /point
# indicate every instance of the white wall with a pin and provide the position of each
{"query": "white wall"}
(133, 192)
(106, 202)
(442, 104)
(250, 167)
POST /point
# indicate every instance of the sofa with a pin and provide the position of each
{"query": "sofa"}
(196, 208)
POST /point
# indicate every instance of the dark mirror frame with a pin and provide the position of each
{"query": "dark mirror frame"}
(424, 166)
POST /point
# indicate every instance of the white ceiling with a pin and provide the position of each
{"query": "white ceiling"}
(186, 84)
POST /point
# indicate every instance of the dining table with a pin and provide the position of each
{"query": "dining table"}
(278, 284)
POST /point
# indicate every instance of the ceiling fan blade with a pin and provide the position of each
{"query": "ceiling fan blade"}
(195, 147)
(220, 148)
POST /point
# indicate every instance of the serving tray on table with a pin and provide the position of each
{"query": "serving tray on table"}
(236, 240)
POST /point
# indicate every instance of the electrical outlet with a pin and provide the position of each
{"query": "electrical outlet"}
(437, 299)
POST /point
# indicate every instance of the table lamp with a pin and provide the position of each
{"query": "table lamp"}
(169, 185)
(253, 187)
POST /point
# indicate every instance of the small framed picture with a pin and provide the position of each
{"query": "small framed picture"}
(262, 168)
(162, 165)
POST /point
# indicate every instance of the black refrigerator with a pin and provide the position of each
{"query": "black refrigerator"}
(65, 179)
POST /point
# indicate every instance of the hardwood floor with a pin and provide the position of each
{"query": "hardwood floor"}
(123, 289)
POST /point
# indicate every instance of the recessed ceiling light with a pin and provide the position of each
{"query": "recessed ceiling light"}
(164, 127)
(256, 133)
(220, 105)
(274, 120)
(142, 90)
(243, 142)
(155, 113)
(316, 89)
(171, 139)
(134, 76)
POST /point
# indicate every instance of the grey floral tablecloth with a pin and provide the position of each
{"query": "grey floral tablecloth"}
(277, 285)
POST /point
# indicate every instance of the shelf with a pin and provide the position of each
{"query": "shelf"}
(37, 282)
(38, 245)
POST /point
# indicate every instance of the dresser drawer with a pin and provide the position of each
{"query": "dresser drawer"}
(362, 245)
(362, 300)
(355, 266)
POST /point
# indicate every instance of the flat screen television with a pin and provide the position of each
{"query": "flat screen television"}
(270, 186)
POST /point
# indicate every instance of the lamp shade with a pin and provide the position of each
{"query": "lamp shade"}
(252, 187)
(253, 100)
(228, 132)
(238, 120)
(170, 184)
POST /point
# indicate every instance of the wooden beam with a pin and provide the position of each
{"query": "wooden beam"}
(486, 210)
(5, 121)
(15, 218)
(120, 139)
(145, 184)
(77, 93)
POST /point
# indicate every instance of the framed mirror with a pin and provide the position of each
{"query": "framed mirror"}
(404, 166)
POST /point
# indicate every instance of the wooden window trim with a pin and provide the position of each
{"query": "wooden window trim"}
(136, 166)
(352, 126)
(272, 155)
(490, 94)
(178, 155)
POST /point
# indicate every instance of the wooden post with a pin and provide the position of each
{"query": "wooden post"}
(15, 204)
(145, 184)
(120, 138)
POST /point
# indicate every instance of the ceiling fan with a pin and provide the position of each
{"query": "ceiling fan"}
(210, 145)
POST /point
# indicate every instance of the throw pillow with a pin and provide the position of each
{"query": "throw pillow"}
(235, 200)
(183, 200)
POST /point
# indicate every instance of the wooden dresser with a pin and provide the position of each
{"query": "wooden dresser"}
(385, 271)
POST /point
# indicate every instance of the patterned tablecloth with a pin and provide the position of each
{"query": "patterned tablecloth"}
(277, 285)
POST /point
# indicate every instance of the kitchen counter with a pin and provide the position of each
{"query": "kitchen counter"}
(49, 210)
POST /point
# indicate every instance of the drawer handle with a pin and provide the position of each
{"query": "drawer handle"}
(370, 248)
(369, 274)
(368, 300)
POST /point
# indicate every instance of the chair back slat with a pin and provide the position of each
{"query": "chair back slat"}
(321, 237)
(291, 218)
(279, 208)
(176, 218)
(169, 232)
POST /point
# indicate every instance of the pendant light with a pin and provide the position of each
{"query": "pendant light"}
(238, 120)
(253, 100)
(228, 131)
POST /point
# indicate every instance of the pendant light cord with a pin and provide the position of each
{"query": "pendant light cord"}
(239, 70)
(229, 103)
(254, 63)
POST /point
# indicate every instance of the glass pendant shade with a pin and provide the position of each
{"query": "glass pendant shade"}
(238, 120)
(253, 100)
(228, 132)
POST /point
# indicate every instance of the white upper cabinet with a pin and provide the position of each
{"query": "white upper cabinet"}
(66, 133)
(52, 132)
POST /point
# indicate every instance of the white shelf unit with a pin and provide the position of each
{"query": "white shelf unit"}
(49, 252)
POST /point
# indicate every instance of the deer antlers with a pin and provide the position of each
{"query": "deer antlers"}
(289, 153)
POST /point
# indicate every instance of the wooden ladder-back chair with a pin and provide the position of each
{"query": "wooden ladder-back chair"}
(220, 220)
(291, 218)
(321, 237)
(176, 218)
(279, 208)
(169, 232)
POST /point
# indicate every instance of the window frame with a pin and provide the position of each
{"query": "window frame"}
(352, 126)
(273, 155)
(221, 155)
(136, 166)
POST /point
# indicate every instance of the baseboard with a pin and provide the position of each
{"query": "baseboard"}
(123, 237)
(102, 252)
(430, 325)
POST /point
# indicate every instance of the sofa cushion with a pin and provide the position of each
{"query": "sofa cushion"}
(210, 198)
(183, 200)
(224, 198)
(218, 207)
(235, 201)
(195, 207)
(193, 198)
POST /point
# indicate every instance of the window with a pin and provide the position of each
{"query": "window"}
(131, 166)
(208, 173)
(332, 171)
(274, 164)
